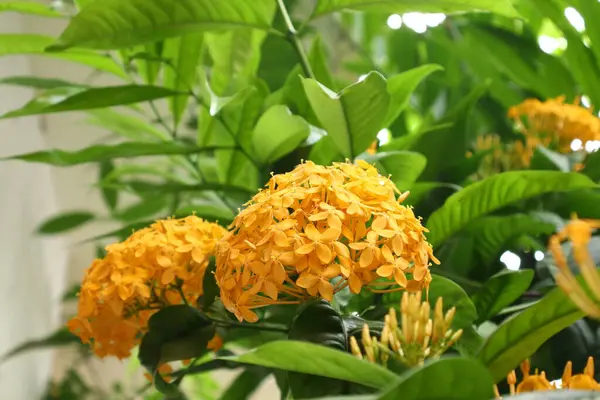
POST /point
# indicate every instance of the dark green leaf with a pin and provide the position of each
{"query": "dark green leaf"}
(150, 187)
(89, 99)
(65, 222)
(545, 159)
(444, 147)
(37, 82)
(592, 166)
(105, 152)
(309, 358)
(403, 166)
(174, 333)
(278, 133)
(496, 192)
(492, 233)
(324, 152)
(443, 379)
(29, 7)
(110, 196)
(503, 7)
(143, 209)
(181, 75)
(61, 337)
(32, 44)
(519, 337)
(317, 322)
(245, 384)
(352, 118)
(113, 24)
(501, 291)
(402, 86)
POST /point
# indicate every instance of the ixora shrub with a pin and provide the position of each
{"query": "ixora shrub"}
(318, 193)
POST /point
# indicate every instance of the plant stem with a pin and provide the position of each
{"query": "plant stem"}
(258, 327)
(292, 36)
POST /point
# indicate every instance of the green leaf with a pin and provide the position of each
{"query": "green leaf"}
(503, 7)
(32, 44)
(245, 384)
(109, 195)
(592, 166)
(174, 333)
(144, 209)
(29, 7)
(354, 116)
(171, 187)
(61, 337)
(209, 285)
(403, 166)
(496, 192)
(236, 58)
(277, 133)
(590, 11)
(127, 126)
(519, 337)
(113, 24)
(309, 358)
(443, 379)
(500, 291)
(317, 322)
(545, 159)
(492, 233)
(181, 75)
(37, 82)
(319, 64)
(444, 147)
(402, 86)
(95, 98)
(65, 222)
(324, 152)
(96, 153)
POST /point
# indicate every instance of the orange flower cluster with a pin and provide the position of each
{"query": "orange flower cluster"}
(314, 231)
(150, 270)
(538, 382)
(579, 232)
(552, 124)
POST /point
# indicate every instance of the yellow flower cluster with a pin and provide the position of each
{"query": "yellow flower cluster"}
(579, 232)
(314, 231)
(538, 382)
(416, 338)
(150, 270)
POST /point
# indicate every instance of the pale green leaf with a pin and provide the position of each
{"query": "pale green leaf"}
(127, 126)
(503, 7)
(277, 133)
(32, 44)
(403, 166)
(29, 7)
(112, 24)
(319, 64)
(181, 76)
(37, 82)
(352, 118)
(93, 98)
(496, 192)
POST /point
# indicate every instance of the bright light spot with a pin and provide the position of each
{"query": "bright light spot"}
(415, 21)
(585, 101)
(576, 145)
(538, 255)
(575, 19)
(592, 146)
(558, 383)
(549, 44)
(362, 77)
(394, 21)
(511, 260)
(433, 20)
(384, 136)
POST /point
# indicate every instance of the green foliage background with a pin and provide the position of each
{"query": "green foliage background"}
(214, 95)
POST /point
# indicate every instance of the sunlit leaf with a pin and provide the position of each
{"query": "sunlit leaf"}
(29, 7)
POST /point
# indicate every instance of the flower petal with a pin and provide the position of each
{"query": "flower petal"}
(385, 270)
(312, 233)
(307, 280)
(325, 289)
(366, 258)
(324, 253)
